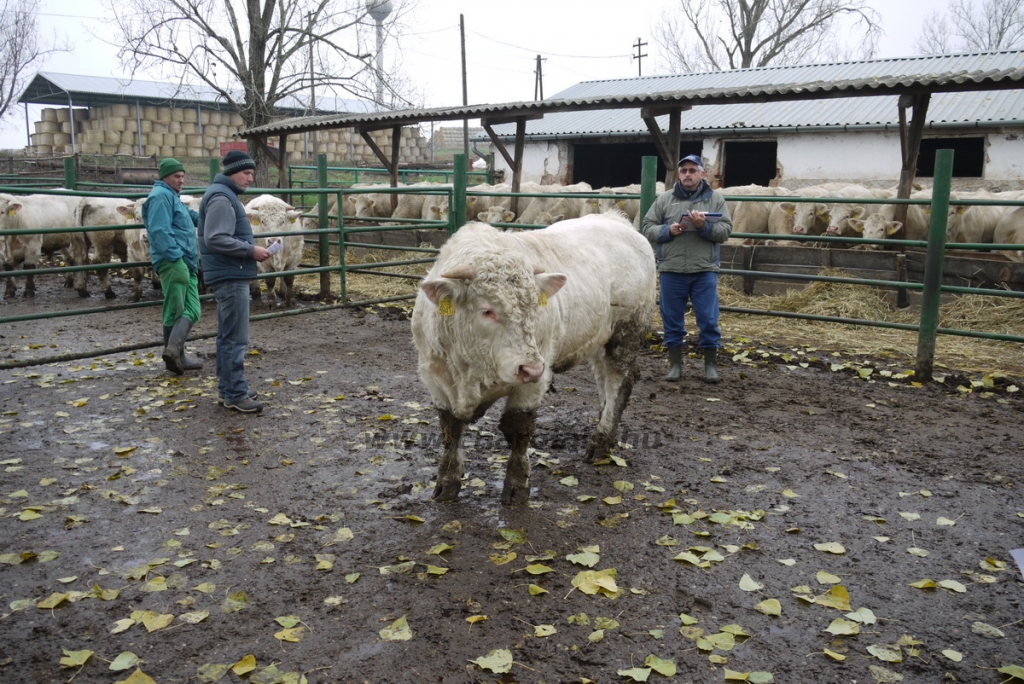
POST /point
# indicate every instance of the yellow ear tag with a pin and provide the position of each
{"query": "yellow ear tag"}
(543, 299)
(445, 306)
(254, 222)
(12, 212)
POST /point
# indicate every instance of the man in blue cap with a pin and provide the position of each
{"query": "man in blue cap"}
(171, 229)
(687, 244)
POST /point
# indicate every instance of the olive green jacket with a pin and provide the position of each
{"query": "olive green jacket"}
(693, 251)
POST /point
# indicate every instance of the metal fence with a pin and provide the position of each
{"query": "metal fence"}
(337, 231)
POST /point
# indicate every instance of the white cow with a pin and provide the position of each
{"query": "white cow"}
(30, 212)
(751, 217)
(137, 244)
(105, 211)
(410, 206)
(802, 218)
(531, 208)
(1010, 231)
(268, 214)
(500, 312)
(477, 204)
(496, 214)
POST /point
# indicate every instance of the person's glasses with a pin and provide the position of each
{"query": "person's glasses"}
(686, 171)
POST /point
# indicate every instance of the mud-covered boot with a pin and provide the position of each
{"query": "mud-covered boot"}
(675, 360)
(711, 365)
(167, 338)
(175, 347)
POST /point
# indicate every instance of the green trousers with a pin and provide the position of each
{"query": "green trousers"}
(181, 292)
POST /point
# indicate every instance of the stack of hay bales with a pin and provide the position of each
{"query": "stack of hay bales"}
(53, 133)
(188, 133)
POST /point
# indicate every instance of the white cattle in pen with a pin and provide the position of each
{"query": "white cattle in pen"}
(802, 218)
(475, 204)
(496, 215)
(410, 206)
(974, 223)
(105, 211)
(751, 217)
(1010, 231)
(373, 204)
(501, 311)
(32, 212)
(435, 208)
(268, 214)
(137, 244)
(544, 205)
(629, 207)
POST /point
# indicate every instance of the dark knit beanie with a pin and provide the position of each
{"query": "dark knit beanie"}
(235, 161)
(169, 166)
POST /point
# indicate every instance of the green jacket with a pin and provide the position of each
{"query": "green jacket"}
(692, 251)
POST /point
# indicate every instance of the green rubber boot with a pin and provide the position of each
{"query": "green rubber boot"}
(711, 366)
(675, 369)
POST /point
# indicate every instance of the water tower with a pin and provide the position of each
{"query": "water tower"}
(379, 10)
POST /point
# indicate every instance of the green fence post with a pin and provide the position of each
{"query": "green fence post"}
(648, 185)
(70, 178)
(457, 214)
(341, 249)
(214, 168)
(325, 250)
(934, 262)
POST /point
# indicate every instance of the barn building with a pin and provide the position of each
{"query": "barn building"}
(789, 143)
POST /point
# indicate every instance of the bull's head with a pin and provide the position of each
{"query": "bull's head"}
(489, 317)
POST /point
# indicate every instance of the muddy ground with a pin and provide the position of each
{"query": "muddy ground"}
(801, 478)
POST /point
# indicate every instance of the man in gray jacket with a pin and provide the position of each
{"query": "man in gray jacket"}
(687, 244)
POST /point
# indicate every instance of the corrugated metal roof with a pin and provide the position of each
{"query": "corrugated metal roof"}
(94, 91)
(941, 73)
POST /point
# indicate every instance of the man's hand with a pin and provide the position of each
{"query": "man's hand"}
(694, 220)
(260, 253)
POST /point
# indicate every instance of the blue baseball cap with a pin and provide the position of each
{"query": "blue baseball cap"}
(695, 158)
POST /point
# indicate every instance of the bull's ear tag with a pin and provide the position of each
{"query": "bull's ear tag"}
(543, 301)
(445, 306)
(254, 222)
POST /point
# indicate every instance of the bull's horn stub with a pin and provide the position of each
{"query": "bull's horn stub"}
(460, 273)
(537, 270)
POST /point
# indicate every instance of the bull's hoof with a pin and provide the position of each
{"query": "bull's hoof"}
(447, 491)
(134, 298)
(515, 493)
(83, 293)
(110, 294)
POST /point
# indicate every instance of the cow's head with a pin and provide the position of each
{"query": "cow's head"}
(488, 313)
(839, 216)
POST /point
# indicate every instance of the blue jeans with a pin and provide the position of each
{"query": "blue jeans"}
(232, 298)
(702, 290)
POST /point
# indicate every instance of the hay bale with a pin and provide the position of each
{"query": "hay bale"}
(116, 123)
(91, 148)
(111, 137)
(147, 126)
(149, 113)
(120, 111)
(108, 149)
(61, 139)
(189, 127)
(166, 151)
(49, 114)
(193, 140)
(126, 149)
(151, 150)
(163, 114)
(63, 115)
(191, 115)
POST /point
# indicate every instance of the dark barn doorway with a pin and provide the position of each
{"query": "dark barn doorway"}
(968, 156)
(749, 163)
(618, 164)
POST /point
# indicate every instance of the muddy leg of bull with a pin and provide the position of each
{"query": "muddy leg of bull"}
(12, 287)
(517, 426)
(615, 372)
(30, 281)
(449, 474)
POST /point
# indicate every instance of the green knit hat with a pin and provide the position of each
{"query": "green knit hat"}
(169, 166)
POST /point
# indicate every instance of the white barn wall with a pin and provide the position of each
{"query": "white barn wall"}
(1004, 158)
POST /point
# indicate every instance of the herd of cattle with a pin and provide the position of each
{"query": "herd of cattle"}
(966, 224)
(267, 214)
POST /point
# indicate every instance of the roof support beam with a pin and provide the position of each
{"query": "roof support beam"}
(668, 147)
(282, 168)
(515, 161)
(391, 164)
(910, 145)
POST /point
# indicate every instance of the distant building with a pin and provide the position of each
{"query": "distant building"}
(790, 143)
(448, 137)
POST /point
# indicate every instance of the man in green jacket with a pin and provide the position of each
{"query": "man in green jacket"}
(171, 229)
(687, 244)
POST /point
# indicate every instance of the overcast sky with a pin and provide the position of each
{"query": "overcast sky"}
(578, 42)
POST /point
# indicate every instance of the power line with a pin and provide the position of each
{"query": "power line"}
(552, 54)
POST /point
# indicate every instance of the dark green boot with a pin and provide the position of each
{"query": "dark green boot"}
(174, 352)
(675, 360)
(711, 365)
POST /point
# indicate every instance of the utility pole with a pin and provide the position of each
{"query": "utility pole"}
(639, 45)
(312, 83)
(538, 81)
(465, 90)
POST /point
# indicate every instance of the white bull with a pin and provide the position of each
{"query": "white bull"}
(500, 312)
(30, 212)
(268, 214)
(105, 211)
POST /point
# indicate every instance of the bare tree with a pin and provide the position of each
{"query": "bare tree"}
(712, 35)
(20, 48)
(968, 26)
(257, 53)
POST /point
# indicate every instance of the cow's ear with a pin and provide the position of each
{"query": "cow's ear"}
(293, 215)
(857, 225)
(13, 208)
(509, 217)
(787, 207)
(254, 218)
(858, 211)
(437, 289)
(892, 227)
(127, 212)
(550, 283)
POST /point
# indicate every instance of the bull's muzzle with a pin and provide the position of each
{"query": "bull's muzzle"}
(531, 372)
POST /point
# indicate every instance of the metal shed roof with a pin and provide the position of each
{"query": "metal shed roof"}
(96, 91)
(880, 77)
